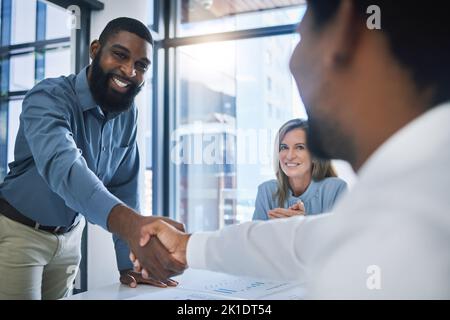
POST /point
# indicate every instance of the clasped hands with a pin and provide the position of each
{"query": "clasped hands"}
(159, 255)
(160, 251)
(294, 210)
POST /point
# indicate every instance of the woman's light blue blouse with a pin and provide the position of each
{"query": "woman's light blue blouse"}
(319, 197)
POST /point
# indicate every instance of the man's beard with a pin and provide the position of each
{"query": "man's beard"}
(107, 98)
(326, 140)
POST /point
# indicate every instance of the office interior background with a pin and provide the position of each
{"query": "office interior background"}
(219, 83)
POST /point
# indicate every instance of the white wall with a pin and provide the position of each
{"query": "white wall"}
(102, 267)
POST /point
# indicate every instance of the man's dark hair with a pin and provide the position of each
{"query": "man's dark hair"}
(418, 34)
(125, 24)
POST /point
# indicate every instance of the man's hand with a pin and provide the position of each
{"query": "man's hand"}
(153, 256)
(132, 279)
(174, 240)
(158, 263)
(295, 210)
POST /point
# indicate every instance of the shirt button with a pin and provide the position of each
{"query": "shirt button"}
(104, 149)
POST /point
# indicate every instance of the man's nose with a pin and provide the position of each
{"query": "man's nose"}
(129, 70)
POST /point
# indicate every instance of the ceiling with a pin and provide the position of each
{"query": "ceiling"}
(198, 10)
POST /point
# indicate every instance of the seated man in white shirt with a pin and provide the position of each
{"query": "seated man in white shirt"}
(378, 98)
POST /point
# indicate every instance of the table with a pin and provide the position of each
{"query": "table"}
(202, 285)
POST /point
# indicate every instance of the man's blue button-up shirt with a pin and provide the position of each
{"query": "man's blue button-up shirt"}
(69, 158)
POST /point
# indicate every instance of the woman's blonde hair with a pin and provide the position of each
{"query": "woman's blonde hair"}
(321, 169)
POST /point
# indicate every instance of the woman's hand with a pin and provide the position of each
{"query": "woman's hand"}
(295, 210)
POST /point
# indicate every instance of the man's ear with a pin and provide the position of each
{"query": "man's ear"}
(344, 36)
(94, 49)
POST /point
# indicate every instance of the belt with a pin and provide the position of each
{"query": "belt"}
(10, 212)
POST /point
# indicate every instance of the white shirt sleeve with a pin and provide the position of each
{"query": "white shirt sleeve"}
(274, 249)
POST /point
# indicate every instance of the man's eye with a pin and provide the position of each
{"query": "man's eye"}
(119, 55)
(142, 66)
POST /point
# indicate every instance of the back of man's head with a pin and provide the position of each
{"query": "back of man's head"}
(125, 24)
(418, 34)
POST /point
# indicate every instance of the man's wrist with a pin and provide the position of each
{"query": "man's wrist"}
(124, 222)
(124, 271)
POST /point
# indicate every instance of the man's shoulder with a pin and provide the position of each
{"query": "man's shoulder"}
(63, 85)
(56, 94)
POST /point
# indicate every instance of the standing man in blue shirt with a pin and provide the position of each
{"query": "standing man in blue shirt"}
(76, 157)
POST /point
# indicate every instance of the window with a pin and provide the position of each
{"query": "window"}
(27, 57)
(269, 83)
(57, 21)
(222, 143)
(222, 90)
(147, 118)
(22, 72)
(23, 28)
(15, 108)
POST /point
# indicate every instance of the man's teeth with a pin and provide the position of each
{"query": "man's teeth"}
(120, 83)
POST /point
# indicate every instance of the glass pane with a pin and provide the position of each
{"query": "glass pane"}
(58, 22)
(23, 21)
(3, 138)
(148, 183)
(232, 97)
(151, 7)
(57, 63)
(22, 72)
(0, 31)
(15, 108)
(212, 16)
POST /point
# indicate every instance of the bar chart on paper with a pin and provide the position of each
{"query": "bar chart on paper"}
(207, 285)
(240, 287)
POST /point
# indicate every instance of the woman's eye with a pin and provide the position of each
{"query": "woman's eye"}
(283, 148)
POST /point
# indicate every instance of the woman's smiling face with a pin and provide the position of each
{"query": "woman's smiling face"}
(295, 159)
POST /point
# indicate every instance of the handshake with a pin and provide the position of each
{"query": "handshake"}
(160, 253)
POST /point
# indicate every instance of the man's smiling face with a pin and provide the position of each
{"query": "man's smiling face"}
(118, 70)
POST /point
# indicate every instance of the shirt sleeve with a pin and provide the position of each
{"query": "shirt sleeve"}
(275, 249)
(46, 119)
(262, 204)
(125, 186)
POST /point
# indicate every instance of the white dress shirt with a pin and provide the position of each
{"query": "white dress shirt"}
(388, 237)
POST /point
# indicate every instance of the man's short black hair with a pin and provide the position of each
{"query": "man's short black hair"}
(418, 34)
(125, 24)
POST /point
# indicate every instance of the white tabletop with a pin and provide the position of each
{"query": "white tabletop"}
(201, 285)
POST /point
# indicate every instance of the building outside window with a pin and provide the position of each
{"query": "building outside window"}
(222, 143)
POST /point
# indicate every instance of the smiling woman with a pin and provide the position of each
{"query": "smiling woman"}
(304, 184)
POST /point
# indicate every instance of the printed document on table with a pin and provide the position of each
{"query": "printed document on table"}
(208, 285)
(239, 287)
(179, 294)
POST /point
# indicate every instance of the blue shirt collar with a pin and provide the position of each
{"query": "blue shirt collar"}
(83, 91)
(85, 97)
